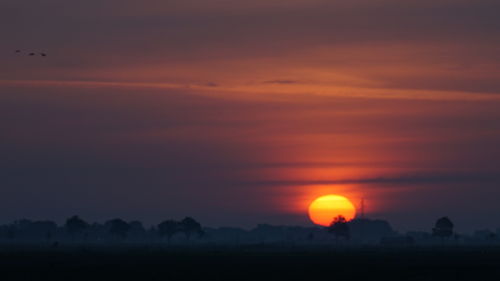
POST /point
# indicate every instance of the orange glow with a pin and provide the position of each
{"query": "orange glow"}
(325, 208)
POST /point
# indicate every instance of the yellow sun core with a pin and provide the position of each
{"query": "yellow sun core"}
(324, 209)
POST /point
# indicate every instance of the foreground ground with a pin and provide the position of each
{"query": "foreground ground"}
(258, 263)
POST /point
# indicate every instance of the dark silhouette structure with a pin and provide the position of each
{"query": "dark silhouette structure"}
(369, 231)
(443, 228)
(168, 229)
(118, 228)
(120, 233)
(75, 225)
(189, 226)
(339, 228)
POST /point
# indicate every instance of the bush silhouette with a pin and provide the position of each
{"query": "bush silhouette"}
(443, 228)
(118, 228)
(168, 229)
(190, 226)
(75, 225)
(339, 228)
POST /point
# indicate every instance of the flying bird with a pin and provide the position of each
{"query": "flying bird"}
(32, 54)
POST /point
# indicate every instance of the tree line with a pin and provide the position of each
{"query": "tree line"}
(339, 227)
(77, 229)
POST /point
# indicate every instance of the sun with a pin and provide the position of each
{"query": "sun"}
(325, 208)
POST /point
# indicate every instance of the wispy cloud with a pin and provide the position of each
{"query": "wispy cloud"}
(327, 43)
(161, 102)
(280, 81)
(397, 181)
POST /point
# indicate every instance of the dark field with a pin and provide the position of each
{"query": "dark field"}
(250, 264)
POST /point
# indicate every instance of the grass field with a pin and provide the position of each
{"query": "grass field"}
(249, 264)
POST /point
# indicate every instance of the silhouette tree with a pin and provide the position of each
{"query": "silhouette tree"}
(11, 232)
(169, 228)
(339, 228)
(190, 226)
(136, 225)
(443, 228)
(118, 228)
(75, 225)
(136, 230)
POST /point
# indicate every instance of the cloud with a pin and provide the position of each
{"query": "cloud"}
(280, 81)
(154, 105)
(398, 181)
(388, 44)
(211, 84)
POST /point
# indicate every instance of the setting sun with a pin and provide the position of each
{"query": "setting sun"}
(323, 209)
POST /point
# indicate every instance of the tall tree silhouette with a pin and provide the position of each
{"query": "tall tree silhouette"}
(443, 228)
(118, 228)
(75, 225)
(168, 229)
(190, 226)
(339, 228)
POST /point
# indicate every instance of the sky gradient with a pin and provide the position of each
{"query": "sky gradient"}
(238, 113)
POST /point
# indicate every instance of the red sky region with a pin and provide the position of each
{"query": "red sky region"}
(239, 114)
